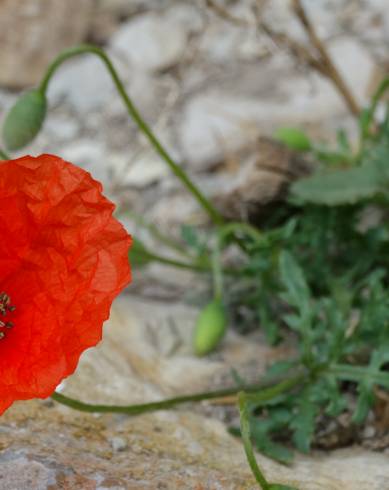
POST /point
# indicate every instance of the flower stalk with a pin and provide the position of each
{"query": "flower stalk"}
(135, 115)
(269, 388)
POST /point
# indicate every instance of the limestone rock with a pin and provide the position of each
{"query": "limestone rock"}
(32, 32)
(151, 42)
(44, 446)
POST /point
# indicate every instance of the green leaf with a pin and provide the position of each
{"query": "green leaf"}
(292, 277)
(265, 444)
(24, 120)
(366, 386)
(303, 424)
(340, 187)
(293, 138)
(367, 115)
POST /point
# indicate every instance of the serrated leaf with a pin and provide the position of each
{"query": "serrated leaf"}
(293, 321)
(303, 424)
(281, 367)
(340, 187)
(366, 386)
(260, 432)
(293, 279)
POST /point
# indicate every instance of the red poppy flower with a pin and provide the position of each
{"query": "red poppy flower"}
(63, 259)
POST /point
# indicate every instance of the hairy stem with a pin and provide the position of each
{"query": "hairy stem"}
(248, 447)
(269, 388)
(156, 233)
(134, 113)
(205, 267)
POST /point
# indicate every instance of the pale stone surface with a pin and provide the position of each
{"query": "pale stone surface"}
(355, 64)
(217, 88)
(151, 42)
(84, 83)
(32, 32)
(45, 446)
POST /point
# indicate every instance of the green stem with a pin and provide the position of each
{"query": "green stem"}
(217, 272)
(168, 403)
(246, 228)
(248, 447)
(273, 391)
(154, 231)
(185, 265)
(3, 155)
(134, 113)
(370, 112)
(177, 263)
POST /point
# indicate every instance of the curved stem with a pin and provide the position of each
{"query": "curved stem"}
(184, 265)
(269, 388)
(156, 233)
(248, 447)
(134, 113)
(177, 263)
(246, 228)
(217, 272)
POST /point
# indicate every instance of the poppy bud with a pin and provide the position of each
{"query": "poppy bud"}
(24, 120)
(293, 138)
(139, 255)
(210, 328)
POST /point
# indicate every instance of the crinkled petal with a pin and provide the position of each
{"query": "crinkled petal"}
(63, 259)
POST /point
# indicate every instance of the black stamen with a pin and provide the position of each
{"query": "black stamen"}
(5, 308)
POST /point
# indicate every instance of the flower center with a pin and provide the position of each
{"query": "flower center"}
(5, 309)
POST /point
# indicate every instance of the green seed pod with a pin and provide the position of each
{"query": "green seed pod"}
(210, 328)
(139, 255)
(24, 120)
(293, 138)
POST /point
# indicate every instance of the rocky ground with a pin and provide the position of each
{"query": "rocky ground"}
(212, 87)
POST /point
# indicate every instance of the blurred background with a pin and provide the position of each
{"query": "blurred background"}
(212, 77)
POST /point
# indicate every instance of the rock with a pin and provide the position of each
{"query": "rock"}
(62, 127)
(83, 83)
(355, 64)
(46, 446)
(33, 32)
(151, 42)
(118, 443)
(20, 473)
(259, 178)
(213, 124)
(144, 170)
(90, 156)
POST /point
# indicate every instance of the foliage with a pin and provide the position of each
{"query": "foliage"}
(315, 275)
(317, 278)
(322, 279)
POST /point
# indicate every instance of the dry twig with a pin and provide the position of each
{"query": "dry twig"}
(325, 59)
(316, 56)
